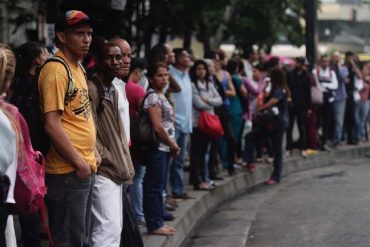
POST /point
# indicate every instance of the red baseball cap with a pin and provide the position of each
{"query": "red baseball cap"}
(70, 19)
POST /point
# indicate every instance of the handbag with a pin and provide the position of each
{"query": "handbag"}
(267, 119)
(210, 125)
(142, 131)
(317, 97)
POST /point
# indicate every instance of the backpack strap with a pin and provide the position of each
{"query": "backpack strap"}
(71, 84)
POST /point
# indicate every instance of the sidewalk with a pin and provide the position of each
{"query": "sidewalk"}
(191, 213)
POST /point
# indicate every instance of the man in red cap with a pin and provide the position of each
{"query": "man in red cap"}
(71, 160)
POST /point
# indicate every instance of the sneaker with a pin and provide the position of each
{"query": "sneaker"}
(311, 151)
(269, 160)
(304, 154)
(167, 216)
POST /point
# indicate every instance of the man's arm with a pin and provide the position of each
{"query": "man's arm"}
(62, 144)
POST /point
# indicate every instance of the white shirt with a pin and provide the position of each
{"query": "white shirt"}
(8, 153)
(331, 82)
(123, 106)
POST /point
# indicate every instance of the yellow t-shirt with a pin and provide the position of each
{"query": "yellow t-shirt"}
(77, 120)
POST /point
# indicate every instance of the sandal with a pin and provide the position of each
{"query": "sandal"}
(170, 228)
(162, 231)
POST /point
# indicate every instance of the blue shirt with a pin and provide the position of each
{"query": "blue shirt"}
(183, 101)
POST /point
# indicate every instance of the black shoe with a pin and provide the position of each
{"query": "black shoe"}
(217, 178)
(184, 196)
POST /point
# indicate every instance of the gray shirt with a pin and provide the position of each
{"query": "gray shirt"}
(210, 94)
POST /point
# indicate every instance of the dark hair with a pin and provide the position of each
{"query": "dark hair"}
(193, 75)
(260, 67)
(153, 68)
(25, 55)
(349, 54)
(137, 63)
(232, 66)
(100, 51)
(178, 52)
(157, 54)
(248, 52)
(278, 80)
(99, 86)
(211, 54)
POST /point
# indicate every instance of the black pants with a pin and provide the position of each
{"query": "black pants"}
(349, 120)
(30, 225)
(327, 120)
(277, 147)
(198, 150)
(301, 116)
(228, 134)
(4, 211)
(213, 162)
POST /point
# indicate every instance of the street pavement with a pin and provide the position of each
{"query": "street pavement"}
(317, 208)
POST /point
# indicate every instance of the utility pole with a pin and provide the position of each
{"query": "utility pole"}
(311, 18)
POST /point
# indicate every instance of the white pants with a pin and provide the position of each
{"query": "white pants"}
(106, 213)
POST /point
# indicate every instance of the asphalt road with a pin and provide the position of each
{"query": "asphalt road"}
(318, 208)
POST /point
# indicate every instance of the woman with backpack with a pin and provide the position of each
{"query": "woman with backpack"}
(160, 113)
(30, 57)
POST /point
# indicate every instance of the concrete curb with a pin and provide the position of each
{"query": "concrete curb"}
(192, 212)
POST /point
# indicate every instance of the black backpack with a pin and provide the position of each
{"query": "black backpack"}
(27, 99)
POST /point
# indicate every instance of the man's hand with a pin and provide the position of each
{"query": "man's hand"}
(83, 171)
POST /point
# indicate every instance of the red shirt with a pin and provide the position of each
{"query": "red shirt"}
(135, 94)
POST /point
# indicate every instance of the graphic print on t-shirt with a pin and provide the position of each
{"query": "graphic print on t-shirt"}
(80, 102)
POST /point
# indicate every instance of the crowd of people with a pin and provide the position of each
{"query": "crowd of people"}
(88, 105)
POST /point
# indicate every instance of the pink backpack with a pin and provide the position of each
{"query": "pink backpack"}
(30, 189)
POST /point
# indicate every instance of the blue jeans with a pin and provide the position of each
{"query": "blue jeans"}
(136, 192)
(177, 166)
(69, 201)
(154, 181)
(364, 111)
(357, 117)
(339, 109)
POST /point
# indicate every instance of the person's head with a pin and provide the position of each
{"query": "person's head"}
(158, 76)
(211, 66)
(335, 58)
(73, 31)
(126, 56)
(137, 69)
(300, 63)
(223, 57)
(251, 54)
(324, 61)
(158, 54)
(170, 54)
(182, 58)
(7, 68)
(258, 72)
(278, 80)
(199, 71)
(348, 56)
(233, 66)
(215, 58)
(109, 60)
(30, 56)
